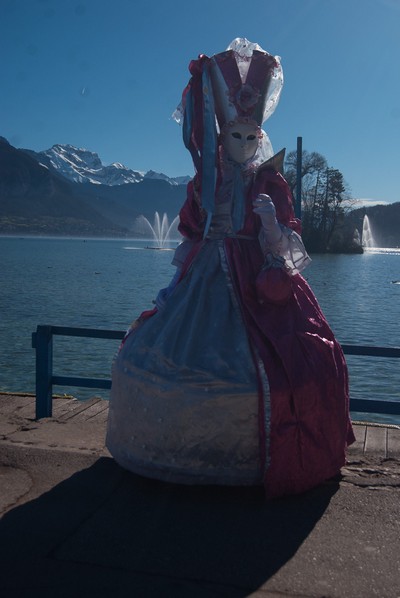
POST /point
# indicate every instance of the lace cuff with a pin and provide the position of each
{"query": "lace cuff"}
(291, 247)
(295, 255)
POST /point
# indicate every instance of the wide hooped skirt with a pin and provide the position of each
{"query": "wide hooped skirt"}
(184, 401)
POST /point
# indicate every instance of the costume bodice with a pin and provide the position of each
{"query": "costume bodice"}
(234, 176)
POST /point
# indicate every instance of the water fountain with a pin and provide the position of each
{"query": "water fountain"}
(161, 231)
(367, 238)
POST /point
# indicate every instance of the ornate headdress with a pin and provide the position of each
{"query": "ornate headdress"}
(246, 82)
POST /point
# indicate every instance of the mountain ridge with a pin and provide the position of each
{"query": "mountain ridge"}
(36, 198)
(81, 165)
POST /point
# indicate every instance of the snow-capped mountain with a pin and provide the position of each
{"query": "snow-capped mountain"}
(84, 166)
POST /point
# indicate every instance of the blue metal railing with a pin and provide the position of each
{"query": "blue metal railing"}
(42, 341)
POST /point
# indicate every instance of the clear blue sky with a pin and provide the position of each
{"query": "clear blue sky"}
(106, 75)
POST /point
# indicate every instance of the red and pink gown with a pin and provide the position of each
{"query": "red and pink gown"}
(232, 383)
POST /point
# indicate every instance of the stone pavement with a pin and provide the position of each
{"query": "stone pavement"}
(76, 525)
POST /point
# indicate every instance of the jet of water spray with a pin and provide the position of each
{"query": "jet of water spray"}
(367, 238)
(161, 231)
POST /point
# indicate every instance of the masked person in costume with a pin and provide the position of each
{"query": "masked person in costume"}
(235, 377)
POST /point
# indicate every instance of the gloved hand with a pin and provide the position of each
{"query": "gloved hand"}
(264, 207)
(163, 294)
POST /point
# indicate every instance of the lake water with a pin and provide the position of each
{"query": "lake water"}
(107, 283)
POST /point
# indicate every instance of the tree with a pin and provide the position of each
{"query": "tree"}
(325, 199)
(312, 164)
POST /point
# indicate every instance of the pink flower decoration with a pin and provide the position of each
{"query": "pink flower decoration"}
(247, 97)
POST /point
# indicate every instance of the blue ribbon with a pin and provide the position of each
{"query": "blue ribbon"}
(209, 172)
(187, 126)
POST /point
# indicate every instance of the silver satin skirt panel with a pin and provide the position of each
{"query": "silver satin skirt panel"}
(184, 400)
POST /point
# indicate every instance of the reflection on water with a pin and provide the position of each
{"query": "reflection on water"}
(108, 283)
(384, 250)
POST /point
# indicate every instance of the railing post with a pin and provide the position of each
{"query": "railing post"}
(297, 205)
(42, 341)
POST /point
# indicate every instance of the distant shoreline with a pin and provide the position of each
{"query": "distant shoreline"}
(84, 238)
(171, 241)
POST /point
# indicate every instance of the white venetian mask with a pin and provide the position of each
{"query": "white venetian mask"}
(240, 140)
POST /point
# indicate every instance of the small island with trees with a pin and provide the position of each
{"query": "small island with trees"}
(331, 220)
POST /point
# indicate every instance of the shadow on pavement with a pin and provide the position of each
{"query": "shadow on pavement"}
(103, 519)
